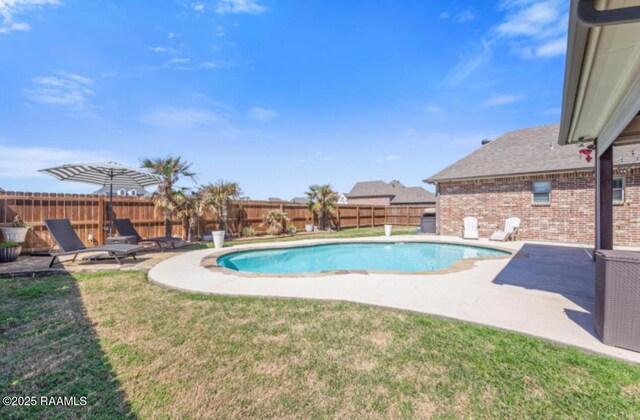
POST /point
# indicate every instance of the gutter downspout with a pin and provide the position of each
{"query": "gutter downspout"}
(591, 17)
(584, 16)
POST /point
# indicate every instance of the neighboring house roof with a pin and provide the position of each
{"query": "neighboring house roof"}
(276, 199)
(398, 193)
(413, 195)
(140, 192)
(300, 200)
(375, 189)
(528, 151)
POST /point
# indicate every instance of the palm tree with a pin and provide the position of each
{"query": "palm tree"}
(322, 201)
(171, 169)
(188, 210)
(276, 222)
(217, 196)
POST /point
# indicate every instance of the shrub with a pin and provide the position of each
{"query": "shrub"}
(9, 244)
(248, 231)
(275, 221)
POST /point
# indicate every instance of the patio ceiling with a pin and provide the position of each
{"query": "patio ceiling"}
(602, 77)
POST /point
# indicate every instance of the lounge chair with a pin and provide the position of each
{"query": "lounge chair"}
(69, 244)
(126, 228)
(511, 226)
(470, 228)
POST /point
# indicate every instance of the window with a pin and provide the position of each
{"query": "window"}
(618, 189)
(541, 192)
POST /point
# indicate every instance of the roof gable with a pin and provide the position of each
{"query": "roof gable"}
(375, 189)
(527, 151)
(413, 195)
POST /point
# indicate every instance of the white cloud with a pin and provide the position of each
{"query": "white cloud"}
(24, 162)
(552, 48)
(185, 64)
(171, 35)
(319, 157)
(184, 118)
(198, 7)
(262, 114)
(531, 28)
(239, 6)
(536, 29)
(498, 100)
(178, 60)
(9, 9)
(387, 158)
(163, 50)
(65, 90)
(434, 109)
(464, 16)
(467, 65)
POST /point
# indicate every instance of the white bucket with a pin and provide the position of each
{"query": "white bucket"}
(387, 230)
(218, 238)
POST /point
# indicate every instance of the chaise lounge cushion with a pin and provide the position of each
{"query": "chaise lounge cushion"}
(126, 228)
(69, 243)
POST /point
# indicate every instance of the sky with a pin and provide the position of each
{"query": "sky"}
(275, 95)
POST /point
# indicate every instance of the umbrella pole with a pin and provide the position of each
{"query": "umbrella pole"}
(110, 202)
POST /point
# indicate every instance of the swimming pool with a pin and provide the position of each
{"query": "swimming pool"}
(381, 256)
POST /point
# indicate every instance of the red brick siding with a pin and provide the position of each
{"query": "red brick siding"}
(570, 217)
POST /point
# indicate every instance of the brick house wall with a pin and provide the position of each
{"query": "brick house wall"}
(369, 201)
(570, 217)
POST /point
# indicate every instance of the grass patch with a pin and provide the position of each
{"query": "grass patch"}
(344, 233)
(134, 348)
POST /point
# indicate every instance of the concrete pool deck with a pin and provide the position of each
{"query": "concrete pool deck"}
(544, 290)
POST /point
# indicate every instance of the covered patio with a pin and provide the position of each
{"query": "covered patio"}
(600, 111)
(601, 100)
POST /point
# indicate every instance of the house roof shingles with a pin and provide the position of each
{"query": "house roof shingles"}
(413, 195)
(528, 151)
(399, 193)
(375, 189)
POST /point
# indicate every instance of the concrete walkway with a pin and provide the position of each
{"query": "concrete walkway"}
(544, 290)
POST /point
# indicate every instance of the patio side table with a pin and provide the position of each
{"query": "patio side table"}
(617, 298)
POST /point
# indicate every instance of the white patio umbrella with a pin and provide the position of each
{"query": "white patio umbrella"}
(108, 173)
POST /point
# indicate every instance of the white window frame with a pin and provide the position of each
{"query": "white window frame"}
(533, 193)
(622, 189)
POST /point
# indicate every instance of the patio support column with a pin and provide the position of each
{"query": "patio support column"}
(604, 199)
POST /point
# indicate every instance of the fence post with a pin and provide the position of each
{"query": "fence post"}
(100, 237)
(357, 216)
(408, 216)
(338, 217)
(373, 212)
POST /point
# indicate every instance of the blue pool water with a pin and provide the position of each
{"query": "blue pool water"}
(354, 256)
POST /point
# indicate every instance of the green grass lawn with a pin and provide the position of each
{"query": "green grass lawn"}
(133, 348)
(344, 233)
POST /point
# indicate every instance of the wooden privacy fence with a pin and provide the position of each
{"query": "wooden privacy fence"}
(89, 214)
